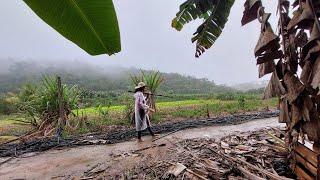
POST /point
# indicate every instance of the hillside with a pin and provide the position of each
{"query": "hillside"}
(256, 85)
(94, 78)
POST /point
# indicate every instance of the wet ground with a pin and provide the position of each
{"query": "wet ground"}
(117, 158)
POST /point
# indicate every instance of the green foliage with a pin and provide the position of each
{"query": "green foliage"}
(241, 101)
(215, 15)
(47, 97)
(153, 80)
(7, 105)
(128, 103)
(226, 96)
(92, 25)
(103, 112)
(135, 79)
(41, 100)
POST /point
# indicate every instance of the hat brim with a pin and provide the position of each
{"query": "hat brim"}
(138, 87)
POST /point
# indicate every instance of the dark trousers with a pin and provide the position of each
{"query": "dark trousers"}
(149, 129)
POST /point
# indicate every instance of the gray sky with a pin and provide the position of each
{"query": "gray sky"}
(148, 41)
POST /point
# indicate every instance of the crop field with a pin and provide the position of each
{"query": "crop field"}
(103, 118)
(179, 110)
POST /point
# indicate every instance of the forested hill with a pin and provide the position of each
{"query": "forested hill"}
(14, 74)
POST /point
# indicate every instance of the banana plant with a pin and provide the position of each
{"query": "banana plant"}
(214, 14)
(90, 24)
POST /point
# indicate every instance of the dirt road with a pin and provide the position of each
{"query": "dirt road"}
(117, 158)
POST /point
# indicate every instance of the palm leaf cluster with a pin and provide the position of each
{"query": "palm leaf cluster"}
(153, 80)
(215, 15)
(41, 103)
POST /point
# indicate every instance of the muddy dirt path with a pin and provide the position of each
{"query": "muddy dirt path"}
(126, 134)
(117, 158)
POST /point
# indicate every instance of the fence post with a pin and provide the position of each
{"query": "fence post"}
(61, 120)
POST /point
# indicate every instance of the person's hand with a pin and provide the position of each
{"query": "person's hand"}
(151, 110)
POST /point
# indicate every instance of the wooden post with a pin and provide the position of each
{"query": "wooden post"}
(61, 120)
(318, 173)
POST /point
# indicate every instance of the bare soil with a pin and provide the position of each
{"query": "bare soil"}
(114, 161)
(117, 136)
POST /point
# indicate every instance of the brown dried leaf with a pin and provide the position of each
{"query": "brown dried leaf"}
(301, 39)
(269, 56)
(313, 53)
(311, 128)
(250, 11)
(314, 37)
(307, 107)
(280, 69)
(294, 21)
(267, 41)
(274, 88)
(293, 85)
(306, 73)
(284, 111)
(316, 74)
(266, 68)
(296, 115)
(302, 19)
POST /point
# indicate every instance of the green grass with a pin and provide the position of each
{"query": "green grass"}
(166, 111)
(9, 126)
(185, 109)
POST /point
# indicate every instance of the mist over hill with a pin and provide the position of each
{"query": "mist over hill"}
(15, 73)
(255, 85)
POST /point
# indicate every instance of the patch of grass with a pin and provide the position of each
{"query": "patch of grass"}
(6, 138)
(9, 126)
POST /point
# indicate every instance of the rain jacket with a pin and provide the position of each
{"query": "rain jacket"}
(141, 109)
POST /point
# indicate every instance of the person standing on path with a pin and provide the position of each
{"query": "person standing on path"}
(141, 110)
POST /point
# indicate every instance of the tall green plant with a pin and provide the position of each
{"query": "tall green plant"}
(41, 103)
(152, 80)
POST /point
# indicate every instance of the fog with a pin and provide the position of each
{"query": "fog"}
(148, 42)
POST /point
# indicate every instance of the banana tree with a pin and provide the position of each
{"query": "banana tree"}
(214, 14)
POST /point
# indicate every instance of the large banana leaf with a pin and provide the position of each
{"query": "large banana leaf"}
(191, 10)
(215, 14)
(91, 24)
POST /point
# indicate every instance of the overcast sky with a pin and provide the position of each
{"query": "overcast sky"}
(148, 41)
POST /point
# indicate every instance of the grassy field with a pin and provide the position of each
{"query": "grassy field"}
(179, 110)
(104, 118)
